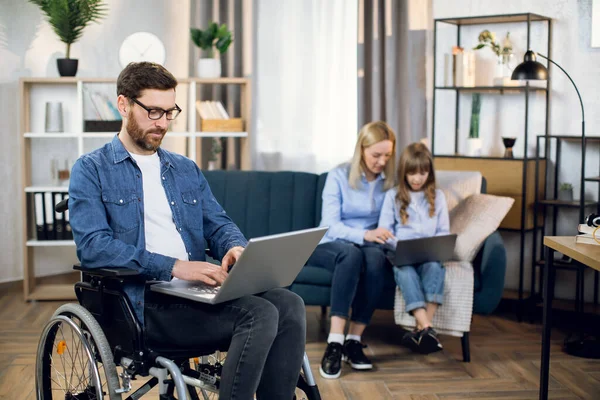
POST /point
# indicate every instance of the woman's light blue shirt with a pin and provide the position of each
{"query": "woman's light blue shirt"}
(349, 212)
(419, 223)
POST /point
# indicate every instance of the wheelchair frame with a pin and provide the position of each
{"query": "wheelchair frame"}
(119, 341)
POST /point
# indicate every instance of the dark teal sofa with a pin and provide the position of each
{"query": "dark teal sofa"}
(264, 203)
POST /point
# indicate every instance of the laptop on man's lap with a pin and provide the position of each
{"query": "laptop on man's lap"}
(267, 262)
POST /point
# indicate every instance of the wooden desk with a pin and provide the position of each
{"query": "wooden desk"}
(586, 254)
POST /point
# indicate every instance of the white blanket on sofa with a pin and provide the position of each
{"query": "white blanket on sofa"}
(454, 316)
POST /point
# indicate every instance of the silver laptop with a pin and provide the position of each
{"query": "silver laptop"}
(422, 250)
(267, 262)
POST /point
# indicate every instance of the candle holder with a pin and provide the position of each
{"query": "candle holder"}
(509, 143)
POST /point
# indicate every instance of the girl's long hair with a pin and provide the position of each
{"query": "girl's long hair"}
(371, 133)
(416, 158)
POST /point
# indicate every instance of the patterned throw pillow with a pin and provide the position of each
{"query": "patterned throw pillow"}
(474, 219)
(458, 185)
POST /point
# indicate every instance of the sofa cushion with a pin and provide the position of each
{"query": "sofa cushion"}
(319, 198)
(474, 219)
(314, 276)
(458, 185)
(266, 203)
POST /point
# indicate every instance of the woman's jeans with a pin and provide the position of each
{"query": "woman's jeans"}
(264, 336)
(421, 284)
(358, 277)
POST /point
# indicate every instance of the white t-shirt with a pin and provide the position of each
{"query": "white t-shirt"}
(162, 236)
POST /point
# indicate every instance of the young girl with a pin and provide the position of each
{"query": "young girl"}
(415, 209)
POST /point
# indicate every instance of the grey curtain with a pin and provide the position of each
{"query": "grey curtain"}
(233, 64)
(391, 69)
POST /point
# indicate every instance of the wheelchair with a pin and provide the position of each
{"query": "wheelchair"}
(96, 350)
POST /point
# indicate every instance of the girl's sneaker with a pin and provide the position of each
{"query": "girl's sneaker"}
(428, 341)
(411, 340)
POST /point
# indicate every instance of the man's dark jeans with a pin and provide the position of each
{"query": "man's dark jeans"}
(264, 336)
(359, 273)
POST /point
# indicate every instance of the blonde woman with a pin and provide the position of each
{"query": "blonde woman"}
(351, 249)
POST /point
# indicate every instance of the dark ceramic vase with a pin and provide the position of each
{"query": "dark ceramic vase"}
(508, 142)
(67, 66)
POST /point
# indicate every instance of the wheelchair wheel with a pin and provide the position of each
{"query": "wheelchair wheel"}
(74, 360)
(210, 369)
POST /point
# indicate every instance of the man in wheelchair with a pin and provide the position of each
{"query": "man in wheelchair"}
(135, 205)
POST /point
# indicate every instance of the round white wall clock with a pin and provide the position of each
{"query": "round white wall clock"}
(142, 46)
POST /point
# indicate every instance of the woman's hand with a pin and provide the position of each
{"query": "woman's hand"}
(379, 235)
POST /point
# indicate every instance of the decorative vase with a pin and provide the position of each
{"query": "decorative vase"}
(209, 68)
(508, 142)
(67, 66)
(212, 165)
(474, 146)
(502, 71)
(54, 116)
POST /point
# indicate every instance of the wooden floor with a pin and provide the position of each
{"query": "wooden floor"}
(505, 360)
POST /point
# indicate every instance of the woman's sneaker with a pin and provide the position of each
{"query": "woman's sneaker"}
(331, 364)
(353, 355)
(428, 341)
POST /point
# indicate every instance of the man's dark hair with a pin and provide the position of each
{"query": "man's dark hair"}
(136, 77)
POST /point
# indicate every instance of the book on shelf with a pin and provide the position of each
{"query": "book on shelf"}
(586, 235)
(209, 109)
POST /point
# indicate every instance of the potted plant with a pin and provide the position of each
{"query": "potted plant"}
(68, 18)
(474, 142)
(215, 150)
(214, 37)
(565, 192)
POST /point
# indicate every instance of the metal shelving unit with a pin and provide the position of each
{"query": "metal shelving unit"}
(551, 203)
(528, 220)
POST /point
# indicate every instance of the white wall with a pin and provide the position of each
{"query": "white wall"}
(504, 115)
(29, 47)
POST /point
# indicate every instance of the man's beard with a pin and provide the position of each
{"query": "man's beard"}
(143, 138)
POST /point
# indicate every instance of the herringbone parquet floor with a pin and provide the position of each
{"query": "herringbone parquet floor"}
(505, 360)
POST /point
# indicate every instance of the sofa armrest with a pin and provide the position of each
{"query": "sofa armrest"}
(490, 269)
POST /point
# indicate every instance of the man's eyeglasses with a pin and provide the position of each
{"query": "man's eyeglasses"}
(157, 113)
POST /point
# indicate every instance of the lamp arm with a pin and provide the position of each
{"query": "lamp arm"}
(582, 187)
(574, 85)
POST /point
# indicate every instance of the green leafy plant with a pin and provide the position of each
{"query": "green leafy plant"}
(488, 39)
(475, 109)
(68, 18)
(213, 37)
(566, 186)
(215, 149)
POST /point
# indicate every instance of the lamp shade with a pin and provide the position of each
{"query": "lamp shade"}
(529, 69)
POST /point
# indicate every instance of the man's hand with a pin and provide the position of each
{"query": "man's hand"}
(199, 271)
(231, 257)
(379, 235)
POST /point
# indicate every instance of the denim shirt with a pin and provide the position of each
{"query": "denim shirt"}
(106, 207)
(419, 223)
(350, 212)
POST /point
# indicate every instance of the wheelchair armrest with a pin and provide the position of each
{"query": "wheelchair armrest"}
(107, 271)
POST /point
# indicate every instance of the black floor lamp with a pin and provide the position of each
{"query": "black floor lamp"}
(530, 69)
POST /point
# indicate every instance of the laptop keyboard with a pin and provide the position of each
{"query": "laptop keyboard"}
(205, 289)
